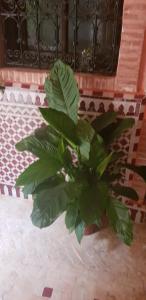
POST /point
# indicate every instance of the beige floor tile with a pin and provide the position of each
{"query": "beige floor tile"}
(31, 259)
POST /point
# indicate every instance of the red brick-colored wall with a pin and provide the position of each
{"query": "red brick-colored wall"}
(142, 69)
(131, 50)
(131, 71)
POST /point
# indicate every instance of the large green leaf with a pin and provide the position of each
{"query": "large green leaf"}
(102, 166)
(104, 120)
(125, 191)
(38, 172)
(61, 123)
(87, 209)
(120, 221)
(37, 186)
(85, 150)
(111, 177)
(140, 170)
(79, 229)
(85, 133)
(67, 163)
(97, 152)
(102, 195)
(62, 91)
(106, 132)
(116, 156)
(40, 148)
(73, 189)
(29, 189)
(50, 182)
(71, 216)
(61, 146)
(93, 201)
(49, 203)
(47, 133)
(122, 126)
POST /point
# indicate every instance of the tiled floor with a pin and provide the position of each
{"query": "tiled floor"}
(101, 268)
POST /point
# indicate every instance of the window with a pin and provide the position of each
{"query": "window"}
(84, 33)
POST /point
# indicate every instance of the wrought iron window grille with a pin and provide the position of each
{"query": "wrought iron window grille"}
(84, 33)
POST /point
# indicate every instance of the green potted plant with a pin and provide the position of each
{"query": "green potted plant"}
(76, 171)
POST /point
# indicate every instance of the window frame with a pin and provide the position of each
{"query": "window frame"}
(64, 55)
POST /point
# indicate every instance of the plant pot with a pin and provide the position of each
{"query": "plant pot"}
(93, 228)
(90, 229)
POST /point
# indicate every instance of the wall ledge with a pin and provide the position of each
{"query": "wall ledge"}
(89, 84)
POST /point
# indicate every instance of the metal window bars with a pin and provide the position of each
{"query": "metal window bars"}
(83, 33)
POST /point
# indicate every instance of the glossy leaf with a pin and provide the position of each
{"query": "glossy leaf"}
(85, 133)
(61, 146)
(93, 201)
(62, 91)
(140, 170)
(39, 185)
(40, 148)
(104, 120)
(79, 230)
(47, 133)
(102, 166)
(97, 152)
(67, 161)
(120, 221)
(61, 123)
(50, 182)
(106, 132)
(116, 156)
(125, 191)
(102, 195)
(74, 189)
(123, 126)
(71, 216)
(29, 188)
(38, 172)
(49, 203)
(88, 204)
(111, 177)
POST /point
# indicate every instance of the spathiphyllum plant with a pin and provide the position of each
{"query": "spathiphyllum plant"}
(76, 171)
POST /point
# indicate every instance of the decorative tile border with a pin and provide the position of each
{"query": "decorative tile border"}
(94, 90)
(137, 210)
(89, 84)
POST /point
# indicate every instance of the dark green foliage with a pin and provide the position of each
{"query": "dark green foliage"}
(125, 191)
(104, 120)
(79, 229)
(61, 123)
(39, 171)
(123, 126)
(61, 90)
(76, 172)
(140, 170)
(49, 202)
(119, 219)
(71, 216)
